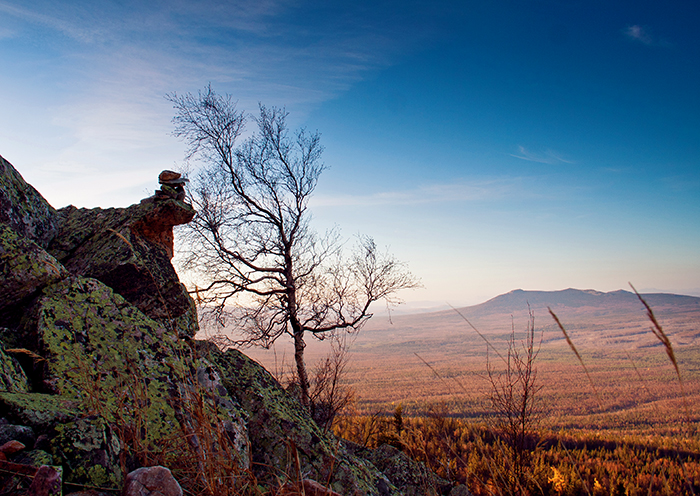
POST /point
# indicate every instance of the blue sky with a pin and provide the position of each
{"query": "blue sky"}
(491, 145)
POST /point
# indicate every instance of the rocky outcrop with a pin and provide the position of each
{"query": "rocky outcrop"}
(99, 375)
(409, 476)
(23, 209)
(25, 267)
(273, 411)
(129, 250)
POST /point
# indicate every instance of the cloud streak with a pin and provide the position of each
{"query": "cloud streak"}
(639, 34)
(467, 191)
(549, 157)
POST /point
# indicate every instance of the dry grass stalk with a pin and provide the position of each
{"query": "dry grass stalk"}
(488, 343)
(663, 338)
(573, 348)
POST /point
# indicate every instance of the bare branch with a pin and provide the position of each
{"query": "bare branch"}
(251, 240)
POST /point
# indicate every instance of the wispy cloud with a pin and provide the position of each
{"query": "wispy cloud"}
(258, 50)
(642, 35)
(547, 157)
(61, 24)
(638, 33)
(465, 191)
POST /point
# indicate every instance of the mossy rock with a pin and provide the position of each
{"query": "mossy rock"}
(280, 430)
(130, 373)
(25, 268)
(412, 478)
(104, 352)
(37, 410)
(12, 377)
(116, 247)
(23, 209)
(88, 449)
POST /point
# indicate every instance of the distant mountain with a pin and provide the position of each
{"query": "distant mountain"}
(603, 316)
(518, 300)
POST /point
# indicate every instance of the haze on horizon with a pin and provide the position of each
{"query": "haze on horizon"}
(492, 146)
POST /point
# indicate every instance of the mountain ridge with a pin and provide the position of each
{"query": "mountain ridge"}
(517, 300)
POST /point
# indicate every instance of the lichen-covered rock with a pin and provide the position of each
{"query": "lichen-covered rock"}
(460, 490)
(126, 249)
(36, 458)
(129, 371)
(98, 347)
(233, 416)
(280, 430)
(411, 478)
(37, 410)
(12, 377)
(88, 450)
(25, 268)
(23, 209)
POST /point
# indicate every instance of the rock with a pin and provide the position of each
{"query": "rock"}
(37, 410)
(234, 423)
(281, 430)
(25, 268)
(21, 433)
(460, 490)
(12, 376)
(11, 447)
(151, 481)
(35, 458)
(129, 250)
(23, 209)
(47, 482)
(171, 177)
(127, 370)
(88, 449)
(307, 487)
(410, 477)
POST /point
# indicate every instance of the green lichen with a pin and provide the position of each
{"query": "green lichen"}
(277, 421)
(106, 353)
(87, 450)
(23, 209)
(24, 267)
(12, 377)
(38, 410)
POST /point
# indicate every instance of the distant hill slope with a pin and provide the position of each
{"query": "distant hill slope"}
(619, 300)
(424, 358)
(595, 314)
(616, 319)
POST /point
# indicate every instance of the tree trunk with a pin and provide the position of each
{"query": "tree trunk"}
(299, 346)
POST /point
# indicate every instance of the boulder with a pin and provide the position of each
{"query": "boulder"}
(12, 377)
(23, 209)
(151, 481)
(120, 383)
(129, 250)
(47, 482)
(25, 268)
(21, 433)
(410, 477)
(281, 430)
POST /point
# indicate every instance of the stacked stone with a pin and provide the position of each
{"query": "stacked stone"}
(172, 185)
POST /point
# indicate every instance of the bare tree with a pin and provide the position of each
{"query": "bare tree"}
(514, 398)
(251, 238)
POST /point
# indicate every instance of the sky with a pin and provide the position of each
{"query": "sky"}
(492, 146)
